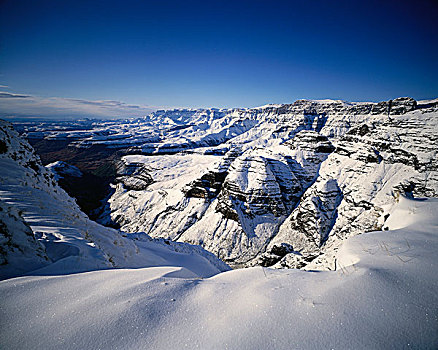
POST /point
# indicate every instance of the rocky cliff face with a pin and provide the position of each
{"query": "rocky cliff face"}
(133, 176)
(373, 165)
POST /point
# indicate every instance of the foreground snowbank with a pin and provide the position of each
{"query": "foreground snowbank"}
(383, 296)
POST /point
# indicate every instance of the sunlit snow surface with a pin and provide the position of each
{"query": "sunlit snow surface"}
(382, 296)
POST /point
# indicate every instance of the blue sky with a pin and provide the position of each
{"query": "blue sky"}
(129, 57)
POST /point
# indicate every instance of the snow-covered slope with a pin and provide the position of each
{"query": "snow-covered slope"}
(382, 296)
(61, 169)
(20, 251)
(44, 232)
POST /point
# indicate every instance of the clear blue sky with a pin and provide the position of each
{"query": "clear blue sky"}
(219, 53)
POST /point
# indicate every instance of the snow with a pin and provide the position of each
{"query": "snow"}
(382, 296)
(174, 170)
(407, 212)
(328, 101)
(435, 100)
(16, 236)
(60, 169)
(269, 105)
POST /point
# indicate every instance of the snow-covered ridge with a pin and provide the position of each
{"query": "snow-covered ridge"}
(174, 130)
(61, 169)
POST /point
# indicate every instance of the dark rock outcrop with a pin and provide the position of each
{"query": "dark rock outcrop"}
(133, 176)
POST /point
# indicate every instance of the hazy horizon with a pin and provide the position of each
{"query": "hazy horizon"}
(116, 60)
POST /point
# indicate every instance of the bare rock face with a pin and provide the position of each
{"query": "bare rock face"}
(308, 226)
(133, 176)
(402, 105)
(208, 186)
(254, 187)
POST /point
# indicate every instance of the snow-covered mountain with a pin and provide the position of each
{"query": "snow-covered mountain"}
(278, 185)
(275, 185)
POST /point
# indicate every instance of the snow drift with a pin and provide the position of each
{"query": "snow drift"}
(383, 296)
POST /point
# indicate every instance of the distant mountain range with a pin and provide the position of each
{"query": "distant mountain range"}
(278, 185)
